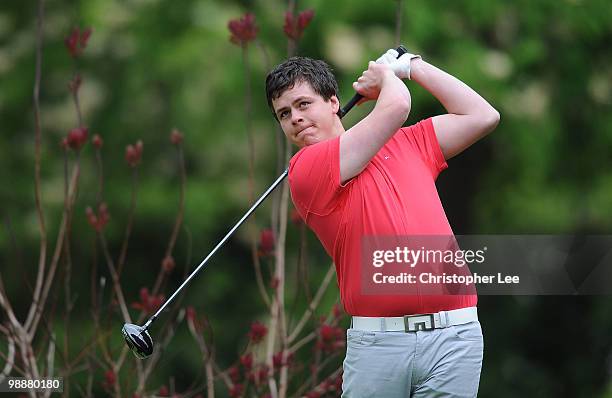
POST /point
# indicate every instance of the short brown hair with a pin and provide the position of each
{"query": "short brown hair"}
(301, 69)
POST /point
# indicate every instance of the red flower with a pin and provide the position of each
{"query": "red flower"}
(258, 376)
(277, 360)
(168, 264)
(247, 361)
(176, 137)
(97, 141)
(330, 338)
(99, 221)
(147, 302)
(163, 391)
(266, 242)
(243, 30)
(133, 153)
(294, 27)
(236, 390)
(326, 332)
(234, 374)
(109, 379)
(72, 42)
(263, 372)
(77, 41)
(77, 137)
(304, 19)
(258, 332)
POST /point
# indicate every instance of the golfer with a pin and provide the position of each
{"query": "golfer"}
(378, 178)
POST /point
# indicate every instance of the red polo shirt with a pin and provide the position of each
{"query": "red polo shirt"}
(394, 195)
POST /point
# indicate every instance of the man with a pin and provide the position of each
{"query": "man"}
(378, 178)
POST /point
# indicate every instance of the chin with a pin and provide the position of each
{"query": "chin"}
(310, 140)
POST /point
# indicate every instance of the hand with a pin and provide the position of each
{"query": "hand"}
(388, 58)
(401, 65)
(370, 82)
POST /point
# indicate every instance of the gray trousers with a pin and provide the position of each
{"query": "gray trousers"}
(433, 363)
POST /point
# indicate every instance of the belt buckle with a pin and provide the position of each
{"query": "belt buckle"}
(413, 323)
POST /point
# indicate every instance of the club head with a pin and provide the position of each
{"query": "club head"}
(138, 339)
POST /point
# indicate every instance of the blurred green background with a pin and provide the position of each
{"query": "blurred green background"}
(153, 65)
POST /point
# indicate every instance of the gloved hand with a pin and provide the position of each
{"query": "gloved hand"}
(401, 65)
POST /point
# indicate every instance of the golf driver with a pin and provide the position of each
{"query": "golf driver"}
(137, 337)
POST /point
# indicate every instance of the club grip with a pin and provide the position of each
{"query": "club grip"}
(401, 50)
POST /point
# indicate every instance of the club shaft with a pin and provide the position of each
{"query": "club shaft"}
(234, 228)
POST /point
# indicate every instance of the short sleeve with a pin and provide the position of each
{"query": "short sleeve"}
(314, 178)
(422, 137)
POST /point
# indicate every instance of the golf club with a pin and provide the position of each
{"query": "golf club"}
(137, 337)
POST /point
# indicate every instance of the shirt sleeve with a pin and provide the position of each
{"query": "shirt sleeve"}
(422, 137)
(314, 178)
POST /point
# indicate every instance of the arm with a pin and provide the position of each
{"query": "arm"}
(470, 117)
(360, 143)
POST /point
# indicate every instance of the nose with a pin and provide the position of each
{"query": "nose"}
(296, 117)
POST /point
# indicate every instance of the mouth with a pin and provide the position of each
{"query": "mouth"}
(304, 131)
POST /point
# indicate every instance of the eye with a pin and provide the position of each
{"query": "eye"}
(303, 104)
(283, 114)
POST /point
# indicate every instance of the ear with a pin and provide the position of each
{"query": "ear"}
(335, 103)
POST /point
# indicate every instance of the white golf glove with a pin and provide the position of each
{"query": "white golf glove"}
(401, 65)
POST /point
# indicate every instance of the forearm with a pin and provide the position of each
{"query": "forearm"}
(390, 112)
(364, 140)
(393, 102)
(456, 96)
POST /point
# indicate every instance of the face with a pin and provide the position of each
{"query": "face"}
(305, 117)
